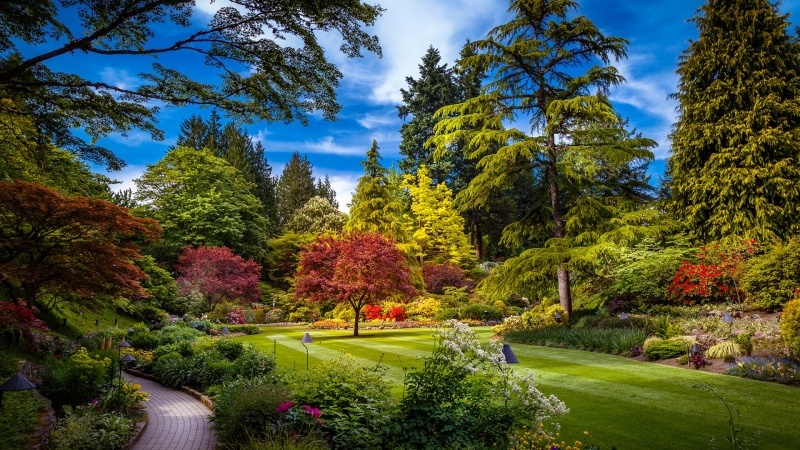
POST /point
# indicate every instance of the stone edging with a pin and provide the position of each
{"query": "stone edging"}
(138, 431)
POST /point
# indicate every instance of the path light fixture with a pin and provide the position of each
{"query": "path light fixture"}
(557, 316)
(727, 318)
(16, 383)
(306, 340)
(696, 349)
(511, 358)
(224, 331)
(125, 359)
(623, 316)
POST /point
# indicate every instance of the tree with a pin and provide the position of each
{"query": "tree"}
(535, 61)
(736, 143)
(218, 275)
(159, 284)
(67, 247)
(436, 227)
(295, 187)
(317, 216)
(326, 191)
(357, 269)
(200, 199)
(375, 208)
(278, 83)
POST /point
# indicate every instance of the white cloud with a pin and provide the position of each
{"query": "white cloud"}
(343, 183)
(139, 138)
(119, 78)
(125, 178)
(379, 120)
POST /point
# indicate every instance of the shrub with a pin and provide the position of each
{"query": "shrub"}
(144, 341)
(440, 276)
(253, 363)
(229, 349)
(172, 369)
(247, 407)
(396, 314)
(171, 334)
(354, 400)
(373, 312)
(616, 322)
(771, 278)
(657, 348)
(122, 400)
(616, 341)
(481, 312)
(87, 429)
(782, 371)
(246, 329)
(19, 417)
(790, 326)
(423, 309)
(663, 327)
(725, 350)
(539, 317)
(76, 380)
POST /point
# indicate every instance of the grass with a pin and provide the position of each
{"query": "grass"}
(82, 320)
(621, 402)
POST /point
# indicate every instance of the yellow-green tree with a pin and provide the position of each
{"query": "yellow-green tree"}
(435, 226)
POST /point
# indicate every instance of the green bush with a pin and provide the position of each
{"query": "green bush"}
(771, 278)
(246, 408)
(87, 429)
(144, 340)
(229, 349)
(657, 348)
(726, 350)
(663, 327)
(19, 417)
(172, 369)
(790, 326)
(253, 363)
(179, 332)
(76, 380)
(356, 399)
(246, 329)
(616, 322)
(481, 312)
(538, 318)
(616, 341)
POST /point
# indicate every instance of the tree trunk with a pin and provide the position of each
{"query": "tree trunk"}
(478, 242)
(564, 296)
(357, 308)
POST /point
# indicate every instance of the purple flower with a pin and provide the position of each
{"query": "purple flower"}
(313, 411)
(284, 406)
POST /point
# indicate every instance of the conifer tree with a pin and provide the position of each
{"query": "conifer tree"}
(375, 207)
(537, 62)
(736, 143)
(295, 187)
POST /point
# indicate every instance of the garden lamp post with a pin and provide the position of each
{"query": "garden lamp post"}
(16, 383)
(224, 331)
(623, 316)
(511, 358)
(125, 359)
(727, 318)
(557, 316)
(306, 340)
(123, 344)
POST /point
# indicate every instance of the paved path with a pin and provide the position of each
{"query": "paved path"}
(176, 420)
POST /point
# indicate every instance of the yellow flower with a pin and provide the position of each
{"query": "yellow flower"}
(585, 433)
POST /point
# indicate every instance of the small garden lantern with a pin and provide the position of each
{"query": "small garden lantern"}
(125, 359)
(16, 383)
(557, 316)
(511, 358)
(696, 349)
(224, 331)
(623, 316)
(306, 340)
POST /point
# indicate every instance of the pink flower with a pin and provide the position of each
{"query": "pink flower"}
(313, 411)
(284, 406)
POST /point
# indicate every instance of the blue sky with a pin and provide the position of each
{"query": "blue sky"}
(658, 31)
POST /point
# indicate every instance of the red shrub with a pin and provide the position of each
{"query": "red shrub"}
(373, 312)
(439, 276)
(397, 314)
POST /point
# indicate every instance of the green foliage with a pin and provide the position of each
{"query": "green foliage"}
(253, 363)
(19, 418)
(735, 143)
(282, 258)
(481, 312)
(91, 430)
(539, 317)
(771, 278)
(725, 350)
(160, 285)
(75, 381)
(178, 332)
(782, 371)
(316, 216)
(663, 327)
(790, 326)
(122, 398)
(201, 199)
(295, 187)
(355, 401)
(616, 341)
(246, 407)
(657, 348)
(285, 442)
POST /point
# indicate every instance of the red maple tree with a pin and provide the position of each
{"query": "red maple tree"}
(358, 269)
(218, 275)
(70, 247)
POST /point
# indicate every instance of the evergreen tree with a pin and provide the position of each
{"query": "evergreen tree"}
(736, 144)
(316, 217)
(535, 60)
(436, 228)
(325, 190)
(375, 206)
(295, 187)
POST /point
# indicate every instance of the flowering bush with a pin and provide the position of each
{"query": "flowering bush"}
(235, 317)
(373, 312)
(713, 279)
(450, 402)
(538, 318)
(396, 314)
(425, 308)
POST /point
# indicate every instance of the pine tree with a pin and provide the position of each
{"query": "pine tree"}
(535, 60)
(736, 144)
(295, 187)
(375, 207)
(325, 190)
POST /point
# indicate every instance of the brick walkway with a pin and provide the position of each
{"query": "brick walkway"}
(176, 420)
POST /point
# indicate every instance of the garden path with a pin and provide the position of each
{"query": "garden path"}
(176, 420)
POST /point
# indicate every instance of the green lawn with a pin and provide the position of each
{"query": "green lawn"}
(631, 404)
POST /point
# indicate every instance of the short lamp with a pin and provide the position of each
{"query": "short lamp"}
(511, 358)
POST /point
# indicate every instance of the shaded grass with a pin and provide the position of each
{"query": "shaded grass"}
(82, 320)
(623, 402)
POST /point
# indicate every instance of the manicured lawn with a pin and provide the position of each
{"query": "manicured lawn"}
(631, 404)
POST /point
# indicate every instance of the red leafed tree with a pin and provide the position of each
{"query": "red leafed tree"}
(218, 275)
(358, 269)
(69, 247)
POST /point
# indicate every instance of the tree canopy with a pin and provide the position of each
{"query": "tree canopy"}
(67, 247)
(736, 143)
(217, 274)
(357, 269)
(260, 76)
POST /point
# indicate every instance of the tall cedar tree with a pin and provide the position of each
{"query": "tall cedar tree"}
(735, 147)
(234, 145)
(68, 247)
(218, 275)
(375, 208)
(535, 61)
(200, 199)
(295, 187)
(284, 83)
(357, 269)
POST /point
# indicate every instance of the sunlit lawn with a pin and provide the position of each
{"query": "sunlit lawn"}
(631, 404)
